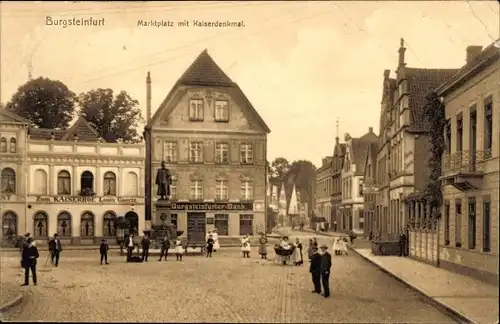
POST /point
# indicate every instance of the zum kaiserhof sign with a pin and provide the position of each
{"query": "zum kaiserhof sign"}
(86, 200)
(211, 206)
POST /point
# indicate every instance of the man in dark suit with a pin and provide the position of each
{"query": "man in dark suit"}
(55, 249)
(326, 264)
(315, 270)
(165, 246)
(402, 243)
(30, 254)
(145, 243)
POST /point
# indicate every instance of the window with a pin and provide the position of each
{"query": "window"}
(246, 224)
(87, 181)
(488, 127)
(458, 223)
(40, 182)
(360, 189)
(221, 223)
(173, 220)
(447, 137)
(196, 110)
(170, 152)
(221, 110)
(9, 224)
(246, 192)
(109, 184)
(460, 133)
(64, 224)
(472, 137)
(109, 224)
(8, 181)
(221, 153)
(13, 145)
(87, 225)
(132, 184)
(196, 190)
(173, 189)
(221, 190)
(447, 223)
(63, 183)
(195, 152)
(246, 154)
(472, 224)
(3, 145)
(486, 224)
(40, 224)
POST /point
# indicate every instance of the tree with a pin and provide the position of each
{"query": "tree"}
(279, 169)
(302, 174)
(46, 103)
(114, 117)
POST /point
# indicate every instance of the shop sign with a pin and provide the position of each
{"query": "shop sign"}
(85, 200)
(211, 206)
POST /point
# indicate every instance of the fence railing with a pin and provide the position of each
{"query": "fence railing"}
(464, 161)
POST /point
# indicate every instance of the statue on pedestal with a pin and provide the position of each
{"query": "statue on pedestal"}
(163, 181)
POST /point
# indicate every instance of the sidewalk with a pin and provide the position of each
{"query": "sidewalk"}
(472, 299)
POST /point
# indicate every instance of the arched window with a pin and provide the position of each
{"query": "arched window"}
(87, 225)
(40, 224)
(87, 181)
(40, 183)
(63, 183)
(9, 224)
(8, 181)
(13, 145)
(64, 224)
(3, 145)
(131, 184)
(109, 224)
(109, 184)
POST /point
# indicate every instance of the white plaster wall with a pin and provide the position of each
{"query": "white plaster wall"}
(31, 172)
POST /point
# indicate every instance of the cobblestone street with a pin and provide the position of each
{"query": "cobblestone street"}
(225, 288)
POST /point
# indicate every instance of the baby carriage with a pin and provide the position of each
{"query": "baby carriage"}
(283, 255)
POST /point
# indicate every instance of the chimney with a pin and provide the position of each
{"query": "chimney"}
(148, 97)
(472, 52)
(402, 51)
(370, 129)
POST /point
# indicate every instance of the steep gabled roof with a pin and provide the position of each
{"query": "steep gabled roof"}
(10, 115)
(339, 149)
(83, 130)
(205, 72)
(371, 155)
(360, 148)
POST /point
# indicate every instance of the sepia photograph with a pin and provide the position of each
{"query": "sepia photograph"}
(265, 161)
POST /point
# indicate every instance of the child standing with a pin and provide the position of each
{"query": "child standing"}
(179, 250)
(210, 245)
(103, 248)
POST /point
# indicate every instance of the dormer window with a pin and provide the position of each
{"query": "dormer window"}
(221, 111)
(196, 107)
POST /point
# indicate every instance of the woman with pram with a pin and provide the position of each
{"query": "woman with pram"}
(284, 250)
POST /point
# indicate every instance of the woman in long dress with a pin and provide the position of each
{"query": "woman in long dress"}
(245, 246)
(263, 246)
(297, 253)
(215, 237)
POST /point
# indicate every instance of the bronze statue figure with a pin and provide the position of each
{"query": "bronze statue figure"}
(163, 181)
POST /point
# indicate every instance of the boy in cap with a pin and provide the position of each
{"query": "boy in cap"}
(326, 264)
(103, 248)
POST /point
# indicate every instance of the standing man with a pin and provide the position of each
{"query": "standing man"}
(165, 246)
(130, 246)
(402, 243)
(145, 243)
(315, 270)
(326, 264)
(103, 248)
(30, 254)
(55, 249)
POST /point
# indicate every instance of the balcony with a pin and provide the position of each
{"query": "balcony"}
(463, 170)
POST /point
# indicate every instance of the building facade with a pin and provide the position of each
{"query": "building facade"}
(352, 206)
(337, 166)
(214, 142)
(470, 172)
(68, 182)
(370, 190)
(404, 142)
(324, 193)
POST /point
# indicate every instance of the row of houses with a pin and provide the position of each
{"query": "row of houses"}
(378, 185)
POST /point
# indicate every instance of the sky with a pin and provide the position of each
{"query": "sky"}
(303, 65)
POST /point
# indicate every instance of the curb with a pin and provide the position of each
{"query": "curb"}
(447, 310)
(16, 301)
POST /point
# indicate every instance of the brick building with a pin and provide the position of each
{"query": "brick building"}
(324, 192)
(470, 173)
(214, 142)
(337, 165)
(370, 189)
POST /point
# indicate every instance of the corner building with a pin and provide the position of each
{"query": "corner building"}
(214, 143)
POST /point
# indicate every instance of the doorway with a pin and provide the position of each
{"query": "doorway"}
(133, 221)
(196, 227)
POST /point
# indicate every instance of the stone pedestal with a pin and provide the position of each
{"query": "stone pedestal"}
(163, 213)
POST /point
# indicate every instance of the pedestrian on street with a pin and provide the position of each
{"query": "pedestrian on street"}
(245, 246)
(326, 264)
(103, 249)
(179, 250)
(402, 243)
(315, 242)
(315, 270)
(30, 254)
(210, 246)
(145, 243)
(297, 253)
(352, 236)
(310, 250)
(215, 236)
(55, 249)
(130, 246)
(263, 246)
(165, 246)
